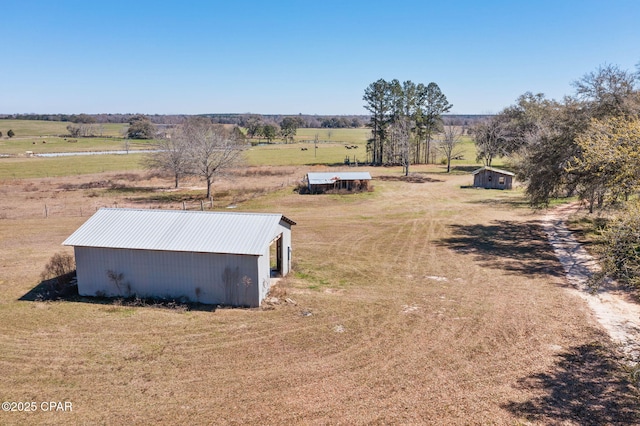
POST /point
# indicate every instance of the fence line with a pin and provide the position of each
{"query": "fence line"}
(68, 208)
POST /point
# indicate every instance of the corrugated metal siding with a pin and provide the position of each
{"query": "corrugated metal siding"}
(199, 277)
(320, 178)
(176, 230)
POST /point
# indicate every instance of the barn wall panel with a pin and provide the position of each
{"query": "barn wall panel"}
(199, 277)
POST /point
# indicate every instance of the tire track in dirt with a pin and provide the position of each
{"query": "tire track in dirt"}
(612, 306)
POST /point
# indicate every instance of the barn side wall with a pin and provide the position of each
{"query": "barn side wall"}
(199, 277)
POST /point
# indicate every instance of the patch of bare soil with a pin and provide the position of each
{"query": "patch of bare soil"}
(613, 306)
(412, 178)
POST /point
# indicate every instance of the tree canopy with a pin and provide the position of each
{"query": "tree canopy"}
(140, 127)
(289, 127)
(403, 108)
(587, 145)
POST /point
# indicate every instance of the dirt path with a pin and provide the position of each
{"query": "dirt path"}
(614, 308)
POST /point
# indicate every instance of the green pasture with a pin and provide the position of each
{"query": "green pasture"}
(48, 144)
(331, 150)
(296, 154)
(266, 155)
(21, 168)
(38, 128)
(352, 136)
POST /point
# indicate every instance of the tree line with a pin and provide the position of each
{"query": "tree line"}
(586, 145)
(241, 120)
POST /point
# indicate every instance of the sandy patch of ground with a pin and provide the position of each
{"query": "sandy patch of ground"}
(612, 306)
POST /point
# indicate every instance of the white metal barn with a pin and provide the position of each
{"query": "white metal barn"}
(207, 257)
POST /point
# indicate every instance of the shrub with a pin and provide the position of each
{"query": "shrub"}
(621, 251)
(61, 267)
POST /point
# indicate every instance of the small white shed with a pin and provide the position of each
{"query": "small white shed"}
(207, 257)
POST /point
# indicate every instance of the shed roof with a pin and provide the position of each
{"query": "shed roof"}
(178, 230)
(493, 169)
(319, 178)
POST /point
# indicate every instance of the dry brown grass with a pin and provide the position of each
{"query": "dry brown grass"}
(421, 302)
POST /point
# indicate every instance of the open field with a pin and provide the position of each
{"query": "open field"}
(331, 150)
(20, 168)
(355, 136)
(32, 128)
(278, 154)
(422, 302)
(19, 146)
(265, 155)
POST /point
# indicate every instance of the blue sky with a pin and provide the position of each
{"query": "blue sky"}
(290, 57)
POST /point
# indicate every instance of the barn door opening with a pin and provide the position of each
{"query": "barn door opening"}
(275, 256)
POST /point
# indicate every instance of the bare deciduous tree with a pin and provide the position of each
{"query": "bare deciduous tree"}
(197, 147)
(609, 91)
(212, 148)
(171, 155)
(489, 136)
(449, 143)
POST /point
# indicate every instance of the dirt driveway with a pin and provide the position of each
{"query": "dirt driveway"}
(614, 308)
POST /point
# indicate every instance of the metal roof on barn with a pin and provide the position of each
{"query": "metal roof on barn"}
(320, 178)
(493, 169)
(179, 230)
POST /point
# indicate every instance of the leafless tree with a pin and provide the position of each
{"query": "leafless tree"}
(212, 148)
(490, 137)
(609, 91)
(449, 143)
(171, 155)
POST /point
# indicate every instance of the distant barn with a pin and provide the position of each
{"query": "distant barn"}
(492, 178)
(207, 257)
(325, 181)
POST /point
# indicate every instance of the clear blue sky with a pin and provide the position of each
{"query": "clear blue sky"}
(310, 57)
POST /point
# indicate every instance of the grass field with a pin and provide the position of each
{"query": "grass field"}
(274, 154)
(19, 146)
(20, 168)
(40, 128)
(331, 150)
(422, 302)
(354, 136)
